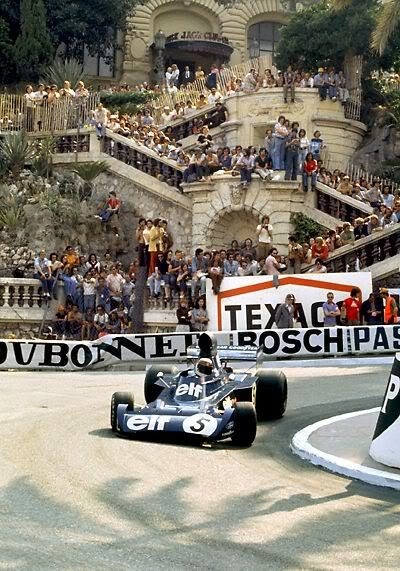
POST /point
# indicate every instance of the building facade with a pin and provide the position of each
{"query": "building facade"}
(199, 33)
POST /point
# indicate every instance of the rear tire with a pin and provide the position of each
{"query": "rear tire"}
(151, 390)
(245, 424)
(117, 399)
(271, 394)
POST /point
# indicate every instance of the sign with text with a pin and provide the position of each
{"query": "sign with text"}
(172, 347)
(250, 303)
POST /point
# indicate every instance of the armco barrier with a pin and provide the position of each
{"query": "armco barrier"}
(114, 349)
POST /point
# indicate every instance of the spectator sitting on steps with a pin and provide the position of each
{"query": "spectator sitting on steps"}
(111, 207)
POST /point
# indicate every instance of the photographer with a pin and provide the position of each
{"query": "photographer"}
(264, 234)
(295, 256)
(43, 273)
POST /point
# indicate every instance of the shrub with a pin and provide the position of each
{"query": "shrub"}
(304, 227)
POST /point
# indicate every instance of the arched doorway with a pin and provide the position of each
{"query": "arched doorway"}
(232, 225)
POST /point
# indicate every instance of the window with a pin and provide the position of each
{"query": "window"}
(98, 66)
(262, 38)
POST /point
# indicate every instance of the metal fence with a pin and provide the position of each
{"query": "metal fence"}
(17, 113)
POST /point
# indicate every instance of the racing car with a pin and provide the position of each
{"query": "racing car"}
(206, 401)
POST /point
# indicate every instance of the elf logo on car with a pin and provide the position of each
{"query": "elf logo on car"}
(192, 389)
(143, 422)
(203, 424)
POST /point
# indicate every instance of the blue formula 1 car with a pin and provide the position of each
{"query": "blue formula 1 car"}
(207, 401)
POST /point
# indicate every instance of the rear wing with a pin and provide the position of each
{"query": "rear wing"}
(232, 353)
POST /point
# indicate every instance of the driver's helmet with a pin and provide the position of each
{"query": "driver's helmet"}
(204, 366)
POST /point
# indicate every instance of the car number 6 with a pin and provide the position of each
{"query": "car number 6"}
(200, 424)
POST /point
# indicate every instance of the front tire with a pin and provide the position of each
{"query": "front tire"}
(151, 389)
(117, 399)
(245, 424)
(271, 394)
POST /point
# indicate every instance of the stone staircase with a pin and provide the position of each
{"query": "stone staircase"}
(220, 205)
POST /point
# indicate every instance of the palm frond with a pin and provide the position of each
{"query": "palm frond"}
(62, 70)
(16, 150)
(88, 172)
(388, 21)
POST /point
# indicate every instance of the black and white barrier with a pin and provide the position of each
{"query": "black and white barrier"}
(385, 446)
(113, 349)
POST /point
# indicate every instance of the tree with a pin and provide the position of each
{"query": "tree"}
(90, 23)
(388, 21)
(319, 35)
(33, 48)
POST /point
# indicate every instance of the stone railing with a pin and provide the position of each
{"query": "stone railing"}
(337, 205)
(366, 252)
(21, 299)
(142, 159)
(184, 127)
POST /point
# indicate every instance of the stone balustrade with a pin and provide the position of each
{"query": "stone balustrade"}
(143, 159)
(183, 127)
(21, 300)
(337, 205)
(366, 252)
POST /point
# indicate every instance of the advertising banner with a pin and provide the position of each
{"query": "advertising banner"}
(172, 347)
(385, 446)
(250, 303)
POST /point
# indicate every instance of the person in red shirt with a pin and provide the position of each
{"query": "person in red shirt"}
(310, 168)
(352, 307)
(319, 249)
(112, 206)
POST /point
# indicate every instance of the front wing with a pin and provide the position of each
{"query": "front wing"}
(186, 422)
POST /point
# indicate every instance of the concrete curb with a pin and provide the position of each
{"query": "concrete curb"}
(301, 446)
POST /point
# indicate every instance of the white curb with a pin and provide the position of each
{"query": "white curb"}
(300, 445)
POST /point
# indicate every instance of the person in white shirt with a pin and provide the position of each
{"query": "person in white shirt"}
(264, 233)
(214, 96)
(174, 74)
(101, 119)
(303, 150)
(166, 115)
(168, 75)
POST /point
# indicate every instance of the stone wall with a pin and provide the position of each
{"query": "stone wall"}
(250, 115)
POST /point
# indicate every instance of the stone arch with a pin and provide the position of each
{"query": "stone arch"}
(146, 14)
(229, 224)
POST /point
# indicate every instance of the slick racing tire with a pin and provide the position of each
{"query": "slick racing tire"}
(244, 424)
(151, 390)
(271, 394)
(116, 399)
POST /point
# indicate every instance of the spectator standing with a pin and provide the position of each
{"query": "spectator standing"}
(100, 119)
(199, 317)
(284, 316)
(288, 84)
(310, 169)
(278, 150)
(319, 249)
(295, 256)
(184, 316)
(272, 266)
(351, 308)
(264, 233)
(390, 307)
(292, 155)
(155, 236)
(114, 282)
(316, 145)
(304, 144)
(372, 310)
(250, 81)
(331, 311)
(187, 76)
(347, 235)
(214, 96)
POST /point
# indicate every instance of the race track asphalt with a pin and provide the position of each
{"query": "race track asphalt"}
(74, 496)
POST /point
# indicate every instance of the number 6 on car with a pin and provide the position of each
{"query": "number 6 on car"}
(207, 401)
